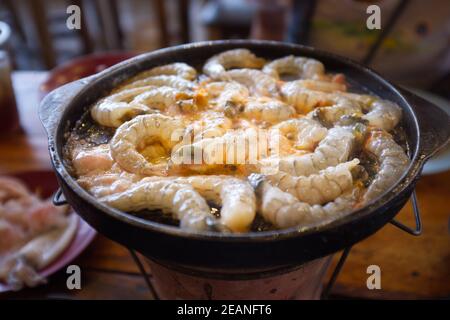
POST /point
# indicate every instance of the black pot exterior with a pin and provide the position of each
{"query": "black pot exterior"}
(253, 250)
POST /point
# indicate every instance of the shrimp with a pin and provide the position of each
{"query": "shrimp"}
(305, 132)
(212, 124)
(332, 150)
(267, 109)
(227, 93)
(92, 160)
(283, 210)
(235, 196)
(115, 109)
(306, 95)
(130, 137)
(332, 115)
(384, 115)
(305, 68)
(257, 82)
(392, 162)
(216, 66)
(178, 69)
(178, 199)
(319, 188)
(237, 147)
(159, 81)
(162, 98)
(108, 183)
(320, 85)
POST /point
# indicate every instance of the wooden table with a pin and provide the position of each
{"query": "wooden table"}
(412, 267)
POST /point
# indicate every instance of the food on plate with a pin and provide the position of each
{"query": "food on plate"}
(249, 145)
(33, 233)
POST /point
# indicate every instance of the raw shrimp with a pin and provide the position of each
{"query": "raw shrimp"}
(115, 109)
(305, 99)
(237, 147)
(212, 124)
(306, 133)
(332, 150)
(257, 82)
(319, 188)
(88, 161)
(178, 69)
(104, 184)
(216, 66)
(161, 98)
(178, 199)
(302, 99)
(227, 93)
(284, 210)
(235, 197)
(331, 115)
(320, 85)
(384, 115)
(304, 68)
(267, 109)
(20, 268)
(159, 81)
(135, 133)
(392, 163)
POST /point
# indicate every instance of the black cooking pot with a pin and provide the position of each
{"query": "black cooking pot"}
(427, 129)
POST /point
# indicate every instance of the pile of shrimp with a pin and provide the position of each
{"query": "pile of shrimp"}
(336, 150)
(33, 233)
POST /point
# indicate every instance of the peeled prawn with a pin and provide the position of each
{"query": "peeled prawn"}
(178, 199)
(92, 160)
(332, 150)
(21, 267)
(319, 188)
(331, 115)
(216, 66)
(267, 109)
(392, 162)
(178, 69)
(305, 132)
(138, 131)
(161, 98)
(213, 124)
(235, 196)
(284, 210)
(383, 114)
(322, 86)
(115, 109)
(257, 82)
(305, 68)
(227, 93)
(237, 147)
(159, 81)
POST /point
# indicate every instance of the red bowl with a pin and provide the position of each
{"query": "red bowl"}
(45, 184)
(82, 67)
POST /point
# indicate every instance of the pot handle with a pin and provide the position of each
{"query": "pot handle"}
(434, 124)
(53, 105)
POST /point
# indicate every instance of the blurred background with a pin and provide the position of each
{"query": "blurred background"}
(412, 47)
